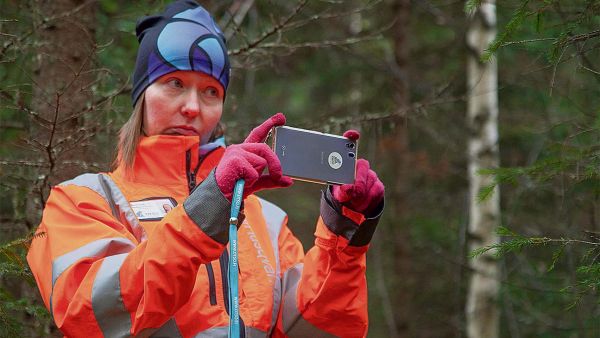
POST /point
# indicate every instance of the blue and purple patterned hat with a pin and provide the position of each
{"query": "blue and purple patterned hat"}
(183, 37)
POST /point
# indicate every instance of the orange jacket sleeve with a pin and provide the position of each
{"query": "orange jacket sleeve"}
(325, 292)
(99, 275)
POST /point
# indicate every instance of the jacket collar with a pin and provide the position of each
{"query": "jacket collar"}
(163, 159)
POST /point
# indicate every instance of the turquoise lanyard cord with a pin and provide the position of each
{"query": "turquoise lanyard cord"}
(234, 311)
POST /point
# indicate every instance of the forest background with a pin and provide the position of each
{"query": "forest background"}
(393, 69)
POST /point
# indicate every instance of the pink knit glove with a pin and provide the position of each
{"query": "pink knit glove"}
(367, 191)
(248, 160)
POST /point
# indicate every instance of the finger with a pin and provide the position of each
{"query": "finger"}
(257, 162)
(260, 133)
(268, 182)
(263, 150)
(371, 178)
(352, 134)
(376, 193)
(343, 193)
(362, 171)
(245, 170)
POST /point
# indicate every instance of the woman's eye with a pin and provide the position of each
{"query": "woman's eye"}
(212, 92)
(176, 83)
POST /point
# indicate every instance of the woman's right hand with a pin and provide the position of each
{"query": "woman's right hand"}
(249, 159)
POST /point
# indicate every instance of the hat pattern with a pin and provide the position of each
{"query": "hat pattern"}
(189, 40)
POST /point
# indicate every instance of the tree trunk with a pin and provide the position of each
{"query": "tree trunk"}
(482, 314)
(398, 145)
(62, 79)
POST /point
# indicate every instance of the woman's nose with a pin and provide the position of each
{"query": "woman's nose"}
(192, 105)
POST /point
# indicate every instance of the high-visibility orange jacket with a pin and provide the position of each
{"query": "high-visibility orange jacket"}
(106, 268)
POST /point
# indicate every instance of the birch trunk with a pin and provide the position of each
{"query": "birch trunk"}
(482, 314)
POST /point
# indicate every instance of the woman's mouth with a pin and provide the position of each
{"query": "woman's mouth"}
(182, 130)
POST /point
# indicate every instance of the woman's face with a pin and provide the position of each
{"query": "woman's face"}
(183, 103)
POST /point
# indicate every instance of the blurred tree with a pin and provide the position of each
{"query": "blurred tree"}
(397, 143)
(330, 66)
(63, 80)
(482, 313)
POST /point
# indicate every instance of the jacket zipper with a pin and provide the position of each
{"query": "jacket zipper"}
(224, 262)
(190, 175)
(191, 180)
(224, 259)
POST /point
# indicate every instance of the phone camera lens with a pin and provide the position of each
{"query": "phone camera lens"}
(351, 155)
(350, 145)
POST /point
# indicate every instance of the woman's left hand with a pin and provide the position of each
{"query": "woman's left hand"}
(367, 192)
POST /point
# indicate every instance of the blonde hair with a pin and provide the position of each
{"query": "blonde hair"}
(131, 132)
(129, 136)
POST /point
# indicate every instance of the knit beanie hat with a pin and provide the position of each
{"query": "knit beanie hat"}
(183, 37)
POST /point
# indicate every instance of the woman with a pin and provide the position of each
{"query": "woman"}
(141, 251)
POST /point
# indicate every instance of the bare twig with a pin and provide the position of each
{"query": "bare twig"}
(66, 14)
(322, 16)
(582, 37)
(589, 69)
(275, 29)
(236, 19)
(317, 44)
(27, 163)
(509, 43)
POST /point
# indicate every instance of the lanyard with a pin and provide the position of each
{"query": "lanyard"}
(234, 311)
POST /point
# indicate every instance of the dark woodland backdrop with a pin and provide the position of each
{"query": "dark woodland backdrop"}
(394, 69)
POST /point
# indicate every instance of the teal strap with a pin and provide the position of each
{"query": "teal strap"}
(234, 308)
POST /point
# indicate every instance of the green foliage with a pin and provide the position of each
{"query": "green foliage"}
(515, 22)
(11, 309)
(13, 267)
(471, 5)
(549, 180)
(588, 273)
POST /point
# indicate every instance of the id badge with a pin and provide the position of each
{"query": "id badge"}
(153, 209)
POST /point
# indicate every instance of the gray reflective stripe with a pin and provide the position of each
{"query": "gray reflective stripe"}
(108, 189)
(213, 332)
(294, 325)
(277, 294)
(223, 331)
(99, 248)
(274, 217)
(89, 181)
(124, 207)
(255, 333)
(168, 330)
(110, 312)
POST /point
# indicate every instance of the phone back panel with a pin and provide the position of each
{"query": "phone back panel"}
(315, 157)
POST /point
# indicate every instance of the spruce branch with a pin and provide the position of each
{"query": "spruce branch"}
(471, 5)
(9, 247)
(518, 242)
(514, 23)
